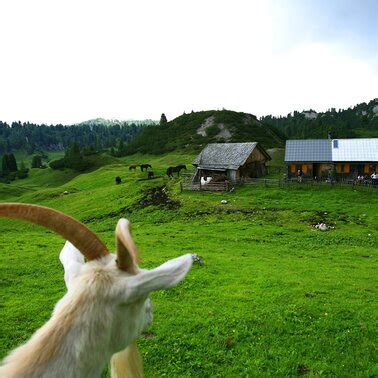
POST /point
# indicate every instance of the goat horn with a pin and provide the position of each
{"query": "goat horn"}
(127, 253)
(86, 241)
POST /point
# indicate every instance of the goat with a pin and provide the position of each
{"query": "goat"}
(106, 306)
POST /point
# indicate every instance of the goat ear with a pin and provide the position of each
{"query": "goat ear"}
(72, 261)
(127, 253)
(163, 277)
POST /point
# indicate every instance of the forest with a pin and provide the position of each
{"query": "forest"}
(32, 137)
(354, 122)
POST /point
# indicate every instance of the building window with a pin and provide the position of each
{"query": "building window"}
(343, 168)
(370, 168)
(335, 144)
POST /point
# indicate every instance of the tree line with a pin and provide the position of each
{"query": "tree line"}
(32, 137)
(358, 121)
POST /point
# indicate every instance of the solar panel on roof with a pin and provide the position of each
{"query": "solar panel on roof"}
(308, 150)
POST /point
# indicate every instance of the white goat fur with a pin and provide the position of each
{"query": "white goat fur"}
(104, 311)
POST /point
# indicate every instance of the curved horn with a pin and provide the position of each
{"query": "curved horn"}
(86, 241)
(127, 253)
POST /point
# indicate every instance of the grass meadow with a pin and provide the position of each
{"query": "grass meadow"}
(275, 297)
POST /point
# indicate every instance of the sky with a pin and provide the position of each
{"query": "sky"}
(67, 61)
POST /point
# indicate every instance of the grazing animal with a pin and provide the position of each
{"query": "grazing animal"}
(118, 180)
(133, 167)
(145, 167)
(177, 169)
(205, 180)
(151, 175)
(105, 308)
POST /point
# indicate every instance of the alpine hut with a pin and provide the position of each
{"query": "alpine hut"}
(331, 158)
(231, 161)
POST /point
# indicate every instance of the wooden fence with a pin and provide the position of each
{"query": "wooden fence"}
(293, 183)
(186, 184)
(211, 186)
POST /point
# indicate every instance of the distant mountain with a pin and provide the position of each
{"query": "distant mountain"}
(194, 130)
(358, 121)
(112, 122)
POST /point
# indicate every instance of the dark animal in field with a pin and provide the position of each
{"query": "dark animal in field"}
(133, 167)
(177, 169)
(118, 180)
(145, 167)
(151, 175)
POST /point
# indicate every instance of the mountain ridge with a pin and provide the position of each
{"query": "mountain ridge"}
(194, 130)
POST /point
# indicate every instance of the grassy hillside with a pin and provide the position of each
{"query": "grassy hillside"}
(190, 132)
(275, 296)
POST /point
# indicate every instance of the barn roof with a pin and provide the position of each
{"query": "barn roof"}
(224, 156)
(332, 150)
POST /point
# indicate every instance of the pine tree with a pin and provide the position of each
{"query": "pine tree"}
(121, 146)
(74, 151)
(163, 119)
(12, 163)
(4, 164)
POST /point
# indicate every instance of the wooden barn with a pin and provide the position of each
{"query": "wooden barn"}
(231, 161)
(331, 158)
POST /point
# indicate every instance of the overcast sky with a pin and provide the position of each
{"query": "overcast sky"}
(66, 61)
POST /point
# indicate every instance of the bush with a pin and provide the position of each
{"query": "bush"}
(57, 164)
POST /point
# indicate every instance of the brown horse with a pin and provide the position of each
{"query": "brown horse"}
(133, 167)
(172, 170)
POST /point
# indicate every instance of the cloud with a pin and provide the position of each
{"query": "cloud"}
(75, 60)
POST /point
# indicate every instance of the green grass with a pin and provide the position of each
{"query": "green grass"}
(275, 296)
(27, 158)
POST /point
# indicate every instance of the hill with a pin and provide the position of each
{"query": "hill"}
(190, 132)
(357, 121)
(275, 296)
